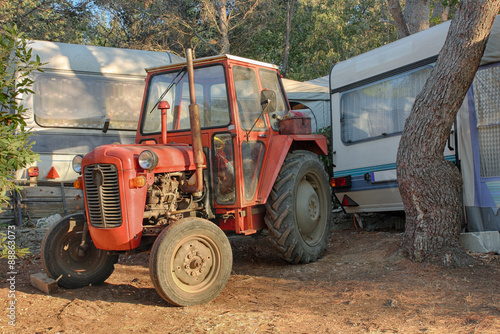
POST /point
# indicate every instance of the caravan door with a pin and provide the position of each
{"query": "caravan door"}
(481, 151)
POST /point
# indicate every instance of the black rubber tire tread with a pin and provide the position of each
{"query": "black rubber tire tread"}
(281, 218)
(58, 263)
(165, 248)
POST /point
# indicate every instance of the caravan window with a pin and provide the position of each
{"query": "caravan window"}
(85, 101)
(486, 87)
(380, 109)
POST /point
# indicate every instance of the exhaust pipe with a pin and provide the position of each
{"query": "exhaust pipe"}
(196, 185)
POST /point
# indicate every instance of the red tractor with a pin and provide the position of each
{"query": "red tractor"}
(217, 150)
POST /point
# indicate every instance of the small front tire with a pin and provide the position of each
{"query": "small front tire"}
(63, 261)
(190, 262)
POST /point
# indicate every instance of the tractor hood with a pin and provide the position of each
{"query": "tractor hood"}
(171, 158)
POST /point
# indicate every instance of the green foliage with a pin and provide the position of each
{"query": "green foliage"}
(327, 160)
(450, 3)
(54, 20)
(15, 148)
(323, 33)
(5, 246)
(172, 25)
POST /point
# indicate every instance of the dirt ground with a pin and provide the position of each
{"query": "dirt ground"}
(359, 286)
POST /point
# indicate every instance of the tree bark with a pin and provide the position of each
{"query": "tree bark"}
(415, 17)
(429, 185)
(223, 26)
(417, 14)
(290, 5)
(397, 16)
(440, 11)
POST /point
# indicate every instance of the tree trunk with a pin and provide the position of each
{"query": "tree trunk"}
(417, 14)
(223, 26)
(290, 4)
(429, 185)
(414, 19)
(397, 15)
(440, 11)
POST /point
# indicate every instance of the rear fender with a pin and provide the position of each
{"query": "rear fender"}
(279, 146)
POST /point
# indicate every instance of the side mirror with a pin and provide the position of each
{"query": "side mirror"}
(268, 101)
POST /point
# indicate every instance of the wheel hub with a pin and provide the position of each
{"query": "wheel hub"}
(313, 207)
(308, 209)
(192, 262)
(73, 252)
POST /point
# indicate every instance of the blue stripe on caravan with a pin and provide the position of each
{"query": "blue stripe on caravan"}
(451, 158)
(359, 183)
(363, 171)
(369, 169)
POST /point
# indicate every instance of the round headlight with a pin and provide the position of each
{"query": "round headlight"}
(148, 159)
(77, 163)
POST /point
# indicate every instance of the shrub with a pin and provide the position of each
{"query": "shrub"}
(15, 146)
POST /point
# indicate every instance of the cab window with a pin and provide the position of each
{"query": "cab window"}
(247, 97)
(269, 80)
(211, 97)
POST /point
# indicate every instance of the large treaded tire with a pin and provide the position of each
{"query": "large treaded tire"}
(190, 262)
(62, 262)
(299, 209)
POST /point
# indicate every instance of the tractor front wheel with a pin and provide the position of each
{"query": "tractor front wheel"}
(299, 209)
(65, 261)
(190, 262)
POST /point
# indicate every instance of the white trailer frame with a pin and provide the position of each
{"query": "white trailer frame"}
(371, 96)
(80, 87)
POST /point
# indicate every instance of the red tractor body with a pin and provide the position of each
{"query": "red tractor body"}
(210, 156)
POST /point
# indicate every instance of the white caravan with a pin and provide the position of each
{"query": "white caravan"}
(80, 88)
(372, 95)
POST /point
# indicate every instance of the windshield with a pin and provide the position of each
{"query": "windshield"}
(211, 97)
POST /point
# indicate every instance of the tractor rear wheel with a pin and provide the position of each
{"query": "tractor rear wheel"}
(299, 209)
(64, 261)
(190, 262)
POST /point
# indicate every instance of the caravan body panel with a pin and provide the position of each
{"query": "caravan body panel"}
(372, 95)
(80, 87)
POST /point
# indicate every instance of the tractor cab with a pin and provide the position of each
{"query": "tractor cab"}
(236, 120)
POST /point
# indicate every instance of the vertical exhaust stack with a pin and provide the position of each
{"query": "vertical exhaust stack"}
(196, 185)
(163, 106)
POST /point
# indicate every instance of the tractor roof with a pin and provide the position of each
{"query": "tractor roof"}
(213, 59)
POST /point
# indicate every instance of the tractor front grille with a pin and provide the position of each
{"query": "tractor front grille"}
(103, 195)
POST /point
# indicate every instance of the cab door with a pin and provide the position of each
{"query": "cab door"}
(252, 129)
